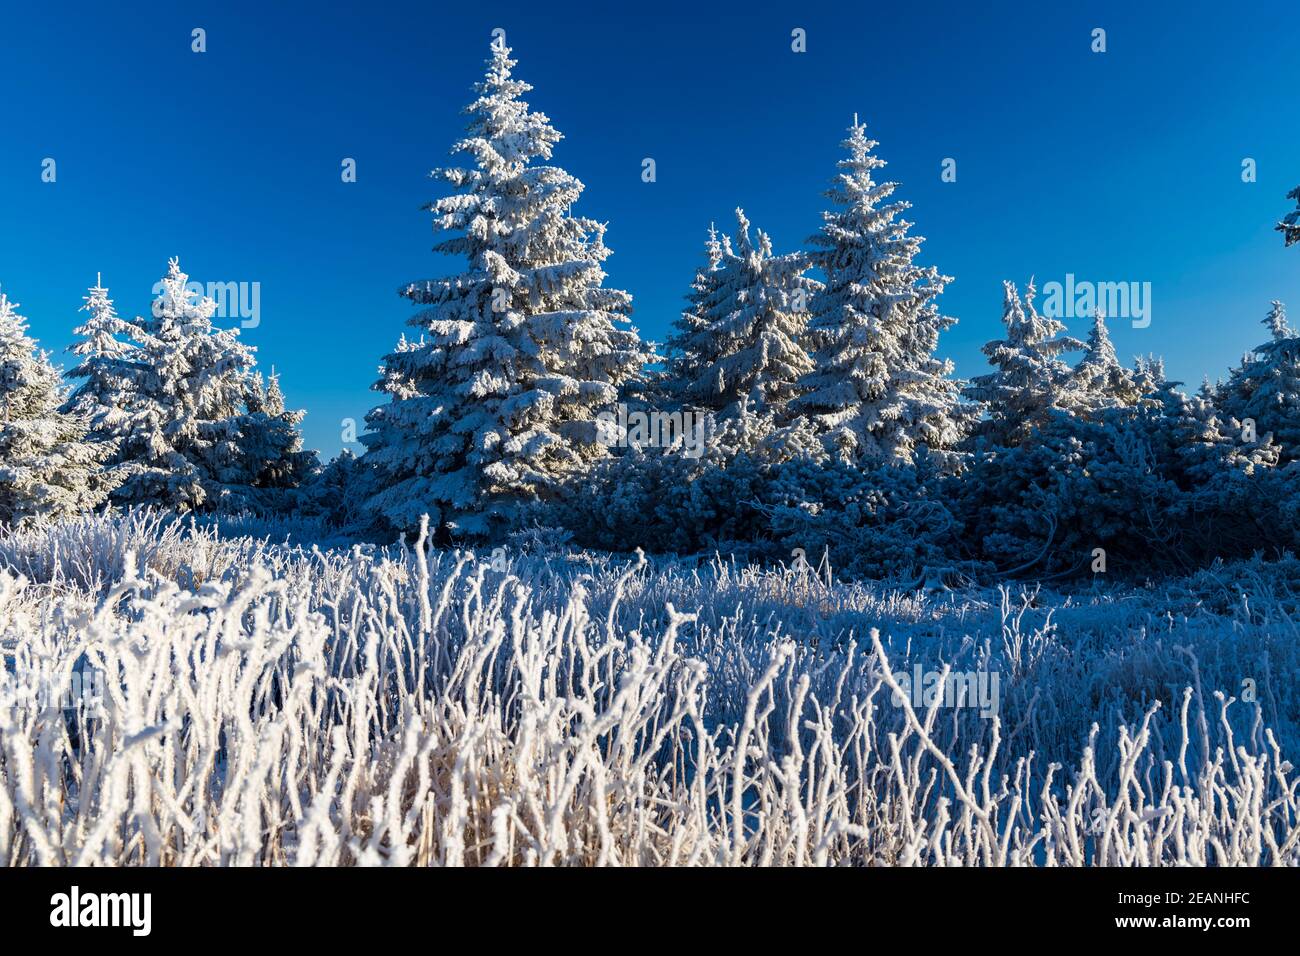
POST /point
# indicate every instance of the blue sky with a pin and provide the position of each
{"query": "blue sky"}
(1121, 166)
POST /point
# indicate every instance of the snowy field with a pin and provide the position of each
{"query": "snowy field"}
(173, 694)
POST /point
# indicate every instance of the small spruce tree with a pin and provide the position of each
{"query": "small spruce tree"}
(1099, 381)
(105, 368)
(47, 468)
(1265, 387)
(1030, 379)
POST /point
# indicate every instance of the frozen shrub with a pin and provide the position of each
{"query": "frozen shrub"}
(664, 503)
(886, 521)
(1158, 487)
(338, 492)
(1042, 507)
(264, 704)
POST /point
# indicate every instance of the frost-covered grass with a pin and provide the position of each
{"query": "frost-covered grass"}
(271, 703)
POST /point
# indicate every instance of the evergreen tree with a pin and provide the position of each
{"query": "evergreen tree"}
(740, 350)
(1276, 323)
(1099, 381)
(876, 389)
(1198, 441)
(179, 445)
(47, 468)
(693, 347)
(496, 403)
(200, 430)
(337, 491)
(1147, 376)
(105, 366)
(272, 457)
(1266, 386)
(1030, 378)
(1290, 224)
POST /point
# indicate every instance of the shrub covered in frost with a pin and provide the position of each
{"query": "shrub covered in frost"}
(1128, 484)
(239, 702)
(664, 503)
(885, 521)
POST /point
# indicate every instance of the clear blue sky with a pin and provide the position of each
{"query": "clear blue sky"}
(1122, 166)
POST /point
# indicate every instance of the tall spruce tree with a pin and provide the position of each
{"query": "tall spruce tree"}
(495, 404)
(47, 468)
(876, 390)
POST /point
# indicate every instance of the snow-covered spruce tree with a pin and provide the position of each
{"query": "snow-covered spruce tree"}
(1148, 375)
(179, 442)
(1230, 501)
(1164, 482)
(1265, 388)
(692, 347)
(1290, 224)
(1099, 381)
(47, 468)
(338, 491)
(105, 366)
(685, 503)
(273, 462)
(739, 346)
(1030, 378)
(732, 358)
(876, 390)
(495, 404)
(197, 434)
(1199, 442)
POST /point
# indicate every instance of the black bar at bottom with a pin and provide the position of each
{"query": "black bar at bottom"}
(380, 907)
